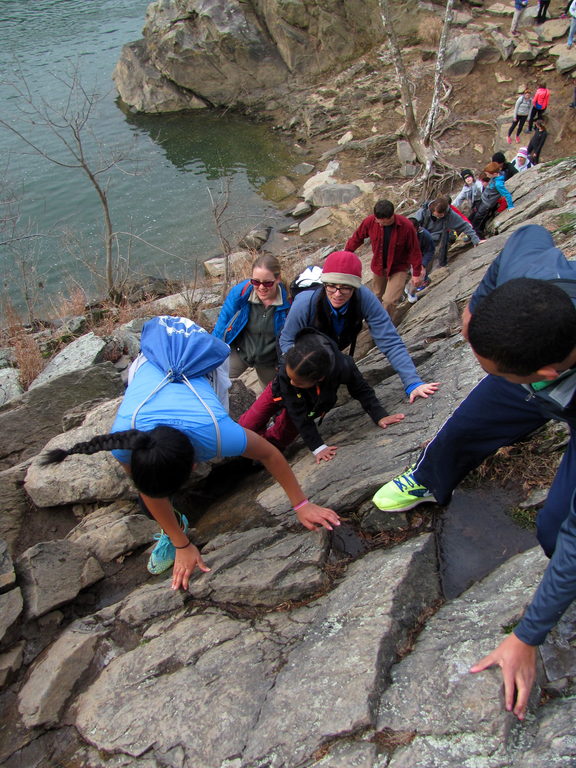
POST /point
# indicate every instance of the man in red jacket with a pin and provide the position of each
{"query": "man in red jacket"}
(395, 252)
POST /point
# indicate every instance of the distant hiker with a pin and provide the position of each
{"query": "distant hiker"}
(521, 325)
(521, 111)
(507, 168)
(305, 389)
(539, 105)
(251, 319)
(522, 162)
(468, 198)
(542, 8)
(490, 197)
(395, 252)
(537, 142)
(572, 29)
(339, 309)
(440, 220)
(519, 8)
(170, 418)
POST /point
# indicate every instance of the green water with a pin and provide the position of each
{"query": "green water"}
(52, 228)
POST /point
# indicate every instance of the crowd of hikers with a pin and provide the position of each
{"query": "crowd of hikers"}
(520, 323)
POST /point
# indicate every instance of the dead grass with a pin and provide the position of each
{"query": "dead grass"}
(29, 359)
(527, 465)
(429, 30)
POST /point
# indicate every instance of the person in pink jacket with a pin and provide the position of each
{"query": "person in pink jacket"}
(395, 252)
(539, 105)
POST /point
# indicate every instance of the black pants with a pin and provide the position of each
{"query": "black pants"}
(542, 8)
(518, 121)
(534, 115)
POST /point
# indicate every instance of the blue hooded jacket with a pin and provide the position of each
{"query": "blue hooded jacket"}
(235, 312)
(530, 252)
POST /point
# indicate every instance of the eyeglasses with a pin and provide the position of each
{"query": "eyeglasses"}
(344, 289)
(263, 283)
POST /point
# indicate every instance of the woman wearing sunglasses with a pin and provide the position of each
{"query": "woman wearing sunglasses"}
(251, 319)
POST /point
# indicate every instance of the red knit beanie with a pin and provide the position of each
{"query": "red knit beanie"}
(342, 267)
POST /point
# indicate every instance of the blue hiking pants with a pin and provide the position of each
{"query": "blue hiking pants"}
(495, 413)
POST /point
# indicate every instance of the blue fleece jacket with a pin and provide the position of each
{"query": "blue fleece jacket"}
(530, 252)
(381, 327)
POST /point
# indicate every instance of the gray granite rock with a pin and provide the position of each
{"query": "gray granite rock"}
(319, 219)
(10, 663)
(52, 573)
(53, 677)
(10, 386)
(76, 356)
(7, 575)
(44, 407)
(11, 605)
(114, 530)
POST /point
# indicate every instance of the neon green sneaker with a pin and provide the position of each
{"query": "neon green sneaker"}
(402, 493)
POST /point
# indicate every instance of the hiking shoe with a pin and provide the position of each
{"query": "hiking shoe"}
(517, 139)
(411, 298)
(508, 139)
(425, 283)
(164, 553)
(402, 493)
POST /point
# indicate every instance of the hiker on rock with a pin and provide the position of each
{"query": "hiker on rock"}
(339, 309)
(521, 325)
(170, 418)
(440, 219)
(491, 196)
(251, 319)
(305, 389)
(395, 252)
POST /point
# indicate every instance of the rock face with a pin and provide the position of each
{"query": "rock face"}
(289, 653)
(222, 52)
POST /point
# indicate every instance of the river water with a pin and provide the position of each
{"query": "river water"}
(161, 194)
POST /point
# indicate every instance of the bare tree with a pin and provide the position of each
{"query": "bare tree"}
(421, 139)
(77, 147)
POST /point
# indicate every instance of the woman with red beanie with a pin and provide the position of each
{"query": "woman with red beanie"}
(338, 310)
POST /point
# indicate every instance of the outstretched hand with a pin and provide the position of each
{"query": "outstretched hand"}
(312, 517)
(186, 561)
(424, 390)
(394, 418)
(326, 454)
(518, 663)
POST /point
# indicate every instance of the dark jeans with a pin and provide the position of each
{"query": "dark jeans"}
(542, 8)
(495, 413)
(519, 121)
(534, 115)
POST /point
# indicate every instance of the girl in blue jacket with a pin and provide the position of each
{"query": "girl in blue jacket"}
(251, 319)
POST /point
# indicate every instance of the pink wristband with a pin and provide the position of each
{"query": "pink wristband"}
(301, 504)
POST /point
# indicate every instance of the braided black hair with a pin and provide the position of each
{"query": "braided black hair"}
(161, 462)
(308, 358)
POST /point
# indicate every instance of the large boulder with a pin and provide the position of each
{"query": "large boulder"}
(464, 51)
(27, 423)
(52, 573)
(222, 52)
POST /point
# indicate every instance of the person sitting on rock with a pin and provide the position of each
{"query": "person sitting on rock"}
(339, 309)
(305, 389)
(521, 325)
(251, 319)
(440, 219)
(170, 418)
(395, 252)
(489, 202)
(522, 162)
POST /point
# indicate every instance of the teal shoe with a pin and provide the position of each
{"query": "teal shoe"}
(164, 553)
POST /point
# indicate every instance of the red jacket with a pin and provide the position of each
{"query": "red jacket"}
(541, 98)
(403, 249)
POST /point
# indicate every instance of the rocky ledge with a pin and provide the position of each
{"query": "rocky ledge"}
(298, 649)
